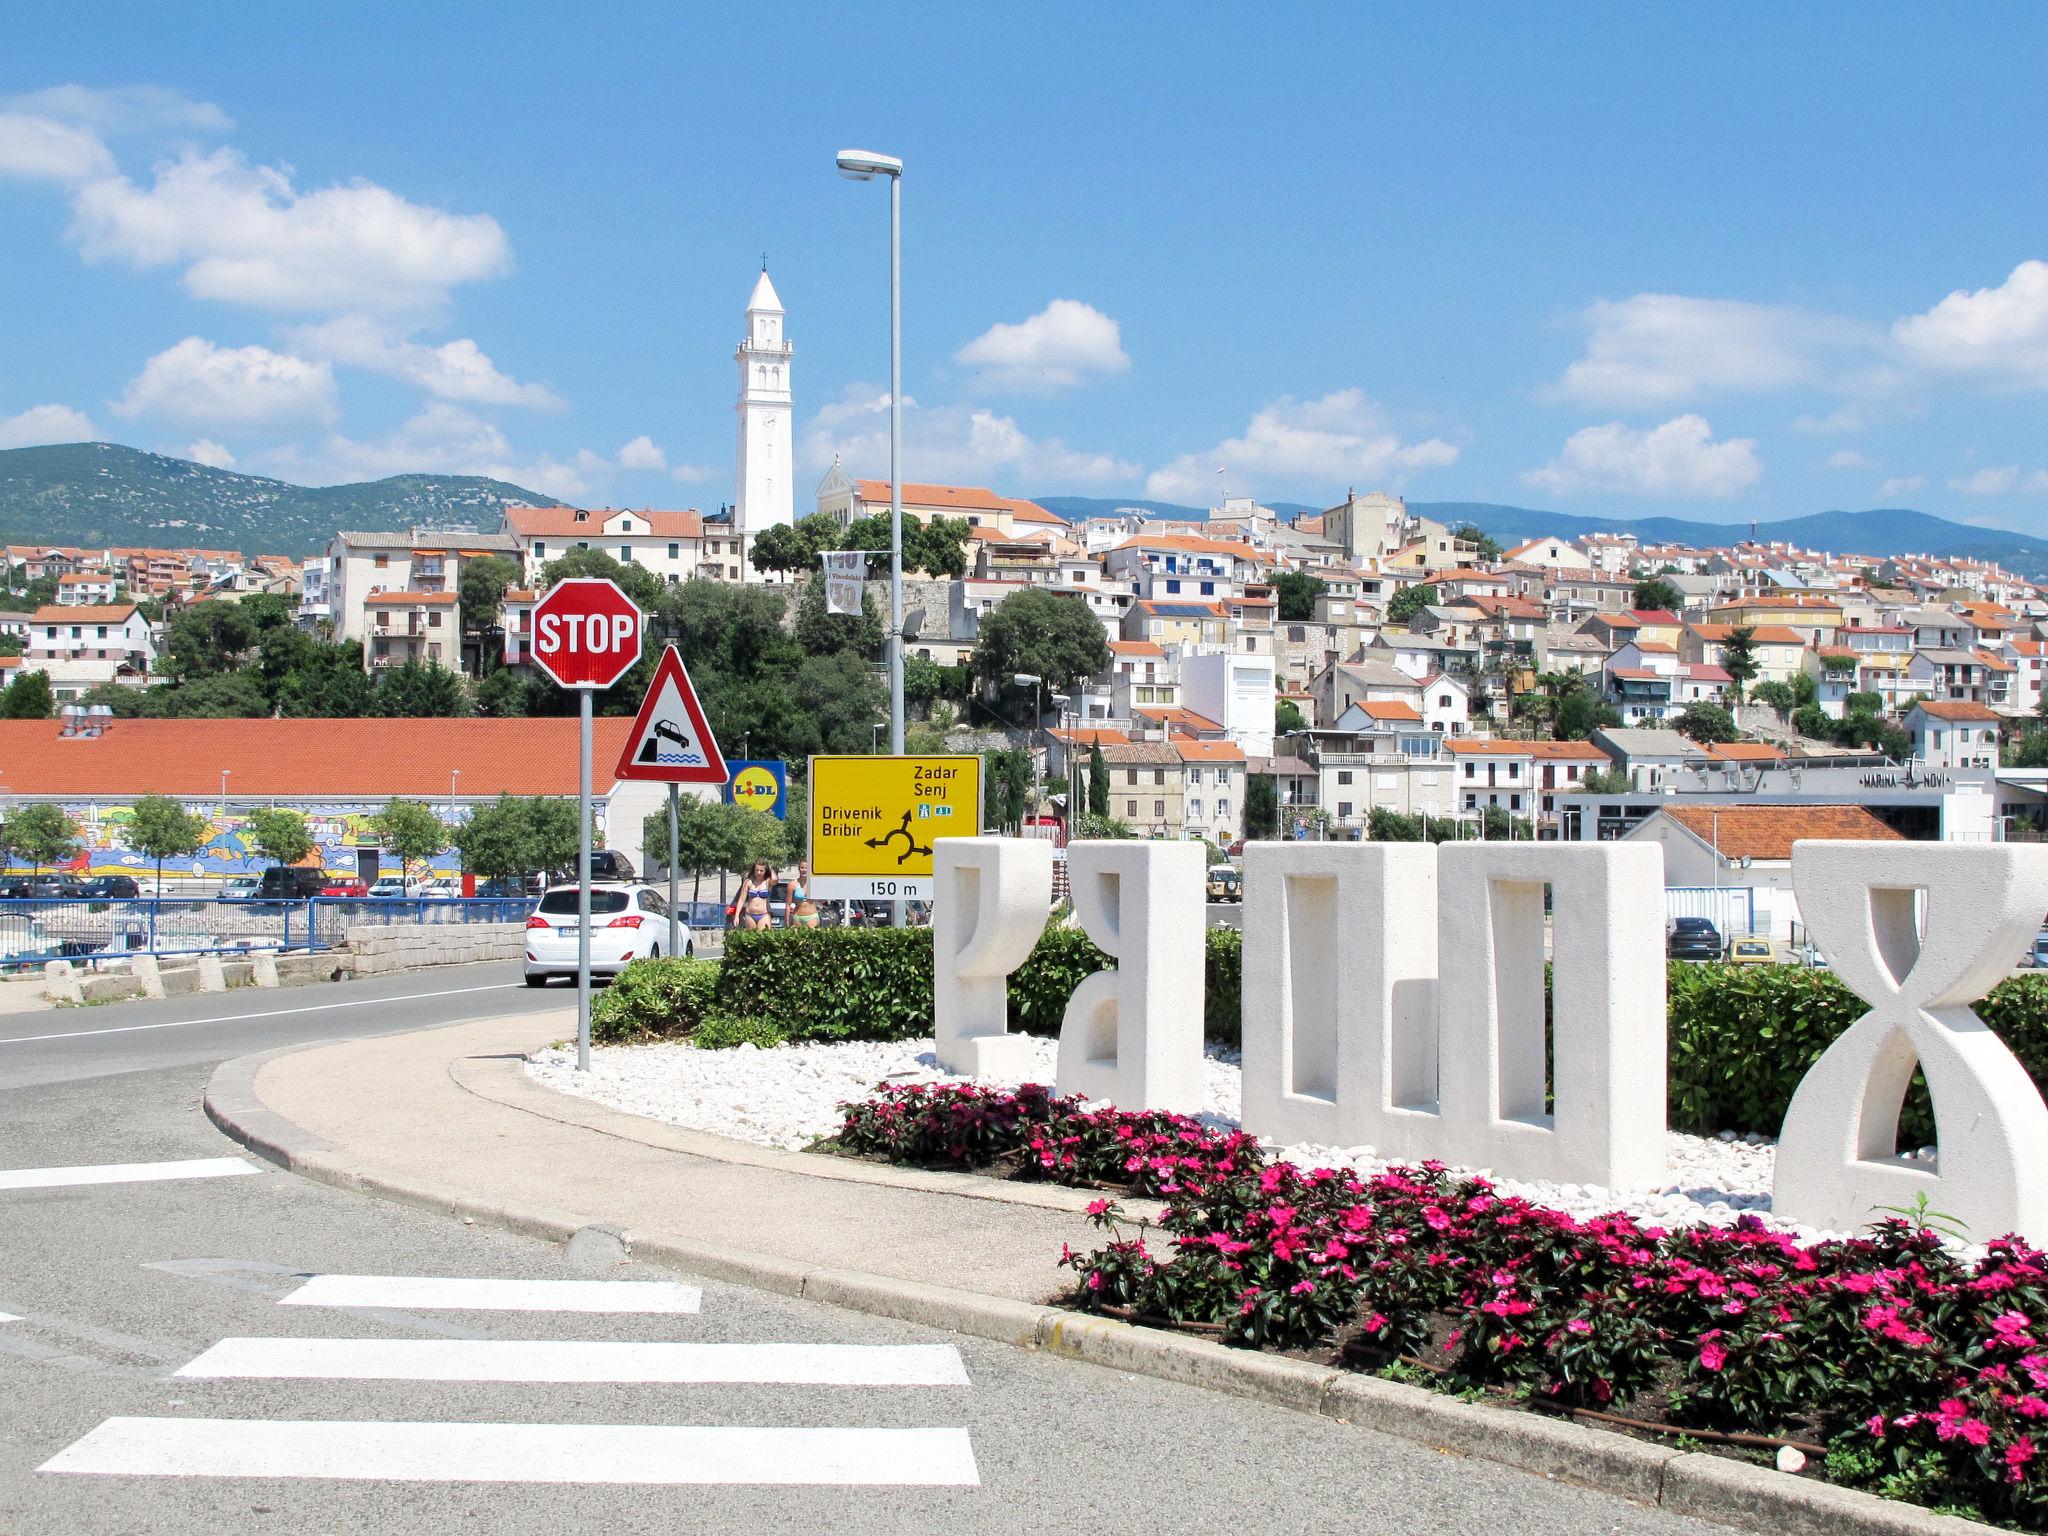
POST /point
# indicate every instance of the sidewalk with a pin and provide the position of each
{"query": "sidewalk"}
(447, 1119)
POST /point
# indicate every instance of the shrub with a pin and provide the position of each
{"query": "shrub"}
(655, 998)
(1223, 975)
(1039, 988)
(831, 983)
(725, 1031)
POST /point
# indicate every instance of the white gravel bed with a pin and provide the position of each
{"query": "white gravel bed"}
(788, 1097)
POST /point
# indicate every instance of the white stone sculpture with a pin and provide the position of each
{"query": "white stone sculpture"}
(990, 903)
(1339, 989)
(1133, 1035)
(1919, 931)
(1608, 1068)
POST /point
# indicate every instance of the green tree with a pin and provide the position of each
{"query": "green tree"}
(1738, 657)
(231, 696)
(1296, 592)
(1261, 807)
(1706, 722)
(1098, 781)
(422, 691)
(1776, 694)
(496, 841)
(551, 834)
(1052, 636)
(481, 590)
(794, 548)
(1288, 718)
(1582, 713)
(1385, 826)
(1605, 781)
(40, 833)
(1006, 786)
(28, 697)
(821, 633)
(326, 682)
(160, 828)
(281, 836)
(937, 548)
(1471, 533)
(922, 680)
(126, 703)
(207, 639)
(636, 581)
(12, 645)
(1805, 689)
(410, 830)
(266, 611)
(1655, 592)
(1410, 601)
(503, 695)
(2030, 751)
(841, 697)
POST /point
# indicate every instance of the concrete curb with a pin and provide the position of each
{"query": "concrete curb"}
(1704, 1487)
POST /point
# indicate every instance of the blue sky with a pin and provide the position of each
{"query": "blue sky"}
(1623, 260)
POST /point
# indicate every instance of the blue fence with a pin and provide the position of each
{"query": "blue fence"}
(58, 928)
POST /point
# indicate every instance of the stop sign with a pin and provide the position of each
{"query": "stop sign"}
(586, 632)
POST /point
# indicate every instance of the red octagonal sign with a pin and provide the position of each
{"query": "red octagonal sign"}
(586, 632)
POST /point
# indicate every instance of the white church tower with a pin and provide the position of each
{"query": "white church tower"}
(766, 488)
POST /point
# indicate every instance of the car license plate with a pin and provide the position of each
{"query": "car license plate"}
(567, 933)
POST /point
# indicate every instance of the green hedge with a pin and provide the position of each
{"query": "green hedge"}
(831, 983)
(669, 996)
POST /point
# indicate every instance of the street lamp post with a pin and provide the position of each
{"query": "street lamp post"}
(865, 165)
(454, 776)
(1037, 716)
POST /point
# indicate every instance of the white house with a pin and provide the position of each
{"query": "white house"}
(1953, 733)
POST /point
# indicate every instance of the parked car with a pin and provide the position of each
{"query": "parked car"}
(110, 888)
(1226, 883)
(443, 888)
(344, 887)
(290, 882)
(1751, 951)
(239, 888)
(626, 923)
(395, 886)
(2041, 948)
(1692, 938)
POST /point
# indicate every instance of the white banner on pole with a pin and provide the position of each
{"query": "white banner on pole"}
(845, 577)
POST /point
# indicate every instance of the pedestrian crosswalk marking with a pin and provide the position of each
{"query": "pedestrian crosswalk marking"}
(125, 1173)
(522, 1453)
(558, 1360)
(434, 1293)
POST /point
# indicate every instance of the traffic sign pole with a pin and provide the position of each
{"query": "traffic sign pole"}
(675, 819)
(583, 882)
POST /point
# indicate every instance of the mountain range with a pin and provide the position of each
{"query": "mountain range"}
(1882, 531)
(100, 494)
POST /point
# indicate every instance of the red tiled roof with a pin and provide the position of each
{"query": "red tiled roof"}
(1390, 709)
(978, 498)
(305, 759)
(1136, 648)
(83, 613)
(561, 522)
(1463, 746)
(1956, 710)
(1187, 719)
(1769, 831)
(1744, 752)
(409, 599)
(1192, 751)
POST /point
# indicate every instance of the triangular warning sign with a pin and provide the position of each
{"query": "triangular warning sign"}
(671, 740)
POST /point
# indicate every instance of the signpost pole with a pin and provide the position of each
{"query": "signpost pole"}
(584, 696)
(675, 817)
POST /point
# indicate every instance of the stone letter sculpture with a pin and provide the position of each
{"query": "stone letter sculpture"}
(1608, 1071)
(1339, 992)
(989, 907)
(1133, 1035)
(1919, 932)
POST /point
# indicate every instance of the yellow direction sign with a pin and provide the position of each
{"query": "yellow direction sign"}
(874, 820)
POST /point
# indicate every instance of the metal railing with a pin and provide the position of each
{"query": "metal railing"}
(36, 930)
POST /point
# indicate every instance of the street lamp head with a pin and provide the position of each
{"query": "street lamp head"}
(866, 165)
(1024, 679)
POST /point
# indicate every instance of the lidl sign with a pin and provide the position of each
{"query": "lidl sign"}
(760, 785)
(874, 821)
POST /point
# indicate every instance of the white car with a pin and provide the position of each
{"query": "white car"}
(394, 886)
(627, 922)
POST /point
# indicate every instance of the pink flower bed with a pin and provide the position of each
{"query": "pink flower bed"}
(1924, 1376)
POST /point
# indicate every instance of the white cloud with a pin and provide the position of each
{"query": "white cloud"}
(643, 453)
(455, 370)
(1341, 438)
(691, 474)
(1997, 334)
(1900, 485)
(1664, 348)
(246, 235)
(1848, 418)
(1847, 458)
(1988, 481)
(42, 149)
(43, 424)
(1678, 459)
(206, 451)
(1065, 344)
(442, 438)
(124, 109)
(199, 384)
(949, 444)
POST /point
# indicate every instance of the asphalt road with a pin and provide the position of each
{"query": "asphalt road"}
(111, 1289)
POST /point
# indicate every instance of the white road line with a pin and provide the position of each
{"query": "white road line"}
(273, 1013)
(522, 1453)
(454, 1295)
(125, 1173)
(820, 1365)
(8, 1317)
